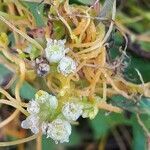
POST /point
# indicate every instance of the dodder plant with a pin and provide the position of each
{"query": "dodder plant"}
(67, 61)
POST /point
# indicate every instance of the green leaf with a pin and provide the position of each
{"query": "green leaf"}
(47, 143)
(26, 92)
(102, 123)
(142, 65)
(37, 12)
(75, 137)
(59, 30)
(145, 46)
(4, 73)
(146, 120)
(3, 27)
(139, 138)
(34, 53)
(134, 62)
(84, 2)
(142, 106)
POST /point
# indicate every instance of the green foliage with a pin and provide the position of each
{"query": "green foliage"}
(84, 2)
(139, 137)
(37, 12)
(47, 144)
(26, 92)
(145, 46)
(137, 63)
(142, 106)
(4, 73)
(104, 122)
(134, 62)
(34, 52)
(59, 30)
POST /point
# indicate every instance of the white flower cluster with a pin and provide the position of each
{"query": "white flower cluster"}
(55, 53)
(57, 128)
(60, 129)
(32, 122)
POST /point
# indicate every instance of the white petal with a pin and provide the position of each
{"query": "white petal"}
(25, 124)
(31, 122)
(55, 50)
(72, 111)
(66, 66)
(34, 119)
(59, 130)
(33, 107)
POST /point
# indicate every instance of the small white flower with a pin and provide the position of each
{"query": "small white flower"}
(59, 130)
(33, 107)
(72, 111)
(44, 127)
(55, 50)
(44, 97)
(32, 123)
(66, 66)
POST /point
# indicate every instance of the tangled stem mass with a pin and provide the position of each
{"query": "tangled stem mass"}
(92, 76)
